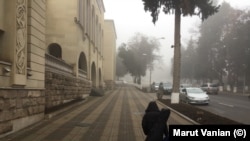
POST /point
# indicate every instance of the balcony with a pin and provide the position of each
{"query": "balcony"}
(58, 65)
(82, 73)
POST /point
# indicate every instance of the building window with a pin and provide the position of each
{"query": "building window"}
(99, 37)
(92, 34)
(2, 50)
(80, 11)
(93, 24)
(102, 36)
(55, 50)
(82, 63)
(88, 15)
(96, 31)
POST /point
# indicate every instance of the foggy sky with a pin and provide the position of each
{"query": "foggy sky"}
(129, 17)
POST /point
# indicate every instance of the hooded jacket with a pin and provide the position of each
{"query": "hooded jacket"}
(154, 122)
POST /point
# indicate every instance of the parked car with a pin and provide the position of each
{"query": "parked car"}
(194, 95)
(155, 87)
(210, 88)
(185, 85)
(167, 88)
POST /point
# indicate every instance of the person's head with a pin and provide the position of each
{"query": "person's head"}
(152, 106)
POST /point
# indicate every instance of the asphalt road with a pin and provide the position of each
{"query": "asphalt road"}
(235, 107)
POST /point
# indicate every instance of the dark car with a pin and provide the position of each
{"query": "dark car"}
(185, 85)
(210, 88)
(154, 87)
(167, 88)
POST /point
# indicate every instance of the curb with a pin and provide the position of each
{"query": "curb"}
(181, 115)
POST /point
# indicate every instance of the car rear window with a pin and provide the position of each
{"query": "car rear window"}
(214, 85)
(204, 85)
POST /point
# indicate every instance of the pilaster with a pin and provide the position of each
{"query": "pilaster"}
(19, 52)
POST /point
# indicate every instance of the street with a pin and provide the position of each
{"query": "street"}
(235, 107)
(116, 116)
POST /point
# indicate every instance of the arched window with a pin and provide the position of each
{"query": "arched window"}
(82, 63)
(100, 77)
(55, 50)
(93, 74)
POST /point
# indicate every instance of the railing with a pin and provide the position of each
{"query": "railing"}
(82, 73)
(54, 63)
(5, 63)
(5, 68)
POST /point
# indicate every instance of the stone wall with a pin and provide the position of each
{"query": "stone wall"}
(20, 108)
(63, 88)
(22, 63)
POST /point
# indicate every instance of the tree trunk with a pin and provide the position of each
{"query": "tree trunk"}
(177, 57)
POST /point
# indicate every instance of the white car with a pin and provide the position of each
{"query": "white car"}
(194, 95)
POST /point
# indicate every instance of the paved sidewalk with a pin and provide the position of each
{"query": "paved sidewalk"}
(114, 117)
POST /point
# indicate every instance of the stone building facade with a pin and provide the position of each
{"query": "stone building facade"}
(22, 63)
(51, 53)
(109, 54)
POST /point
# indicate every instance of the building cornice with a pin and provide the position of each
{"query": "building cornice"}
(113, 23)
(101, 5)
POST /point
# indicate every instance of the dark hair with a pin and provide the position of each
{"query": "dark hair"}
(152, 106)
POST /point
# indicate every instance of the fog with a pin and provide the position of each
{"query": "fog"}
(129, 17)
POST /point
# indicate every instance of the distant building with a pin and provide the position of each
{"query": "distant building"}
(51, 53)
(109, 53)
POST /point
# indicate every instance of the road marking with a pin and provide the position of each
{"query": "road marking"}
(226, 104)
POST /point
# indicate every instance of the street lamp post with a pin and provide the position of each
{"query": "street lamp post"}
(244, 79)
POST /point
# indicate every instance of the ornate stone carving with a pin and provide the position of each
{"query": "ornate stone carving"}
(21, 42)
